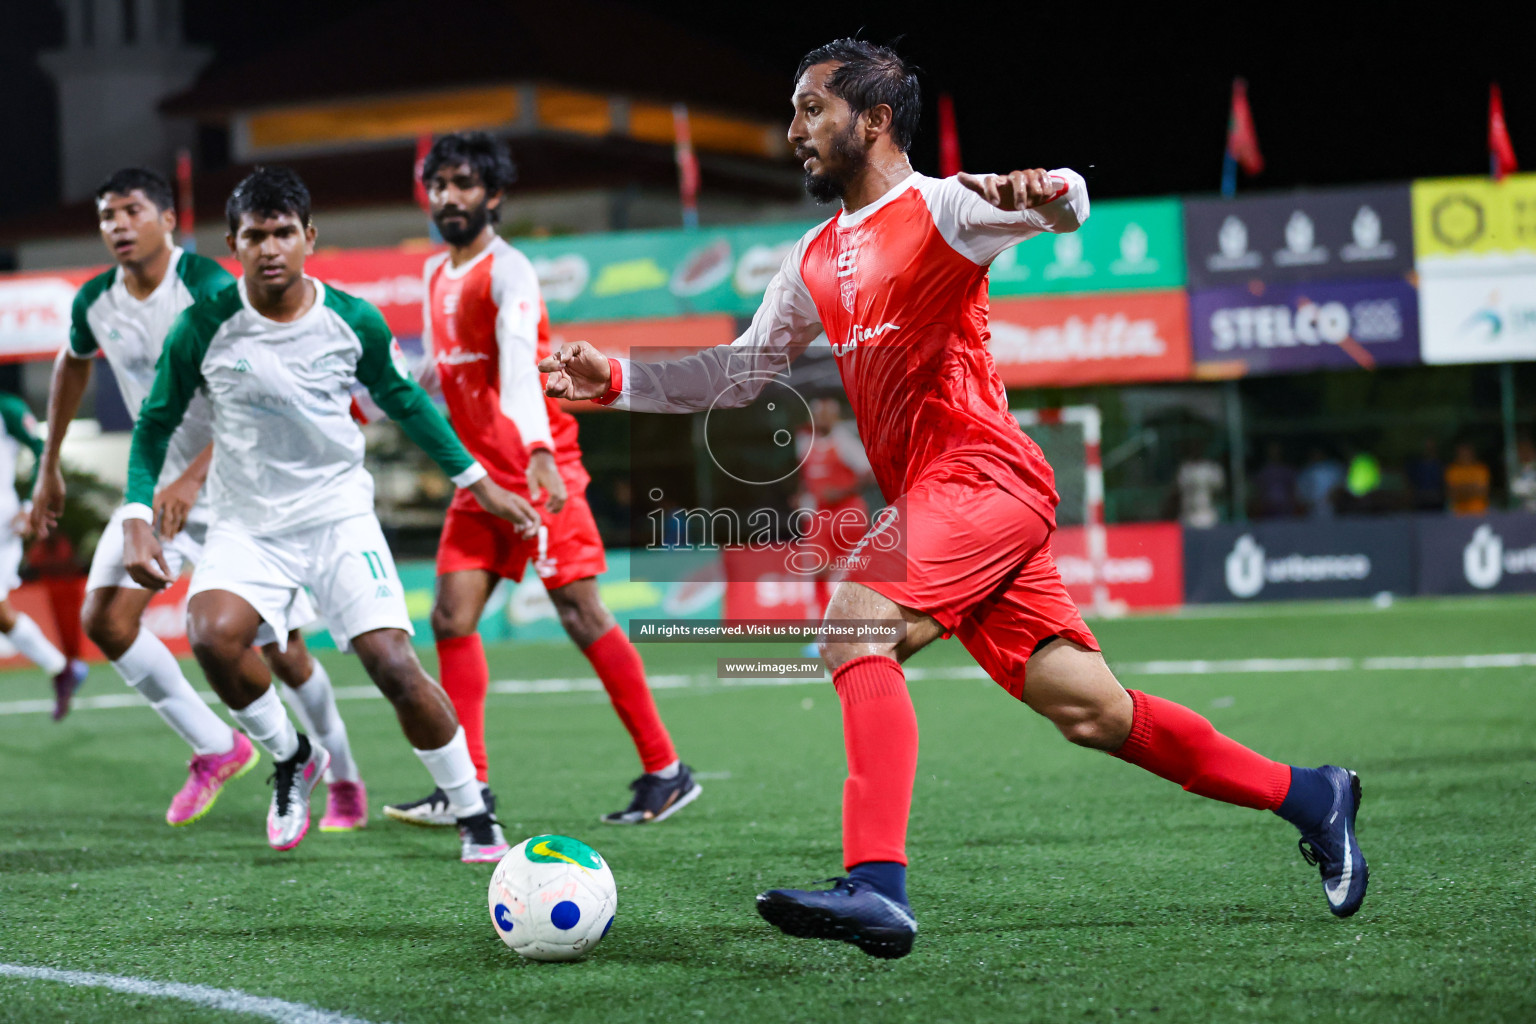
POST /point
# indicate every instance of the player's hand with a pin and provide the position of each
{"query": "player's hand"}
(499, 501)
(1017, 190)
(47, 501)
(174, 503)
(544, 476)
(143, 557)
(576, 371)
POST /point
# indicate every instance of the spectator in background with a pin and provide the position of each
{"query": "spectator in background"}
(1522, 489)
(1466, 482)
(1319, 483)
(1362, 484)
(1426, 480)
(1275, 486)
(1201, 479)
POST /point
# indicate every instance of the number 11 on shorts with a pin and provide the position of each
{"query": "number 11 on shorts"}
(375, 565)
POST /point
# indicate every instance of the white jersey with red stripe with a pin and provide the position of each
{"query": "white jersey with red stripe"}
(900, 289)
(484, 330)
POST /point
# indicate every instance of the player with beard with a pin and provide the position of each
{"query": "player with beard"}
(276, 355)
(485, 331)
(124, 314)
(898, 282)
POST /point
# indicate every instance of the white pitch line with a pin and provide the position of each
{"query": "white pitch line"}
(232, 1000)
(1194, 667)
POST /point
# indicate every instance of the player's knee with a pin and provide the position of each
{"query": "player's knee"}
(1091, 725)
(397, 673)
(212, 644)
(107, 631)
(449, 621)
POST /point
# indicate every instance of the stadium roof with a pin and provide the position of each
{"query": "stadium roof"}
(419, 44)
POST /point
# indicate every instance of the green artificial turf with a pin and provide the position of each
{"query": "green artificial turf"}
(1051, 883)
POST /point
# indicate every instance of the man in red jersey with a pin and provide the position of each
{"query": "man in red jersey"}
(834, 473)
(898, 281)
(485, 330)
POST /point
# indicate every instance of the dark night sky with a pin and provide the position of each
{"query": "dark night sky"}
(1138, 102)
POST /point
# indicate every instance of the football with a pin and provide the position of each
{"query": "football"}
(552, 898)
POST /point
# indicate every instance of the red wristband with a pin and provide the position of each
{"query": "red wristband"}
(615, 383)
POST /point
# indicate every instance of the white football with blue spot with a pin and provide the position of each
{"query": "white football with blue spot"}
(552, 898)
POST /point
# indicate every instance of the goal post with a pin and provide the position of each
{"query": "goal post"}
(1070, 437)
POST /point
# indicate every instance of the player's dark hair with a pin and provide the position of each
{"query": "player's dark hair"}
(269, 192)
(130, 179)
(485, 154)
(869, 76)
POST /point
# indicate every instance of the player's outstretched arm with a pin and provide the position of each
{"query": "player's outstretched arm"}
(724, 376)
(1016, 190)
(576, 371)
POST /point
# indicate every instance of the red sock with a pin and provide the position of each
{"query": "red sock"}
(880, 734)
(466, 677)
(1170, 740)
(618, 665)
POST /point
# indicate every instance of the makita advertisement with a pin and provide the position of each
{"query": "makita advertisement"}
(1297, 560)
(1300, 236)
(1493, 554)
(1321, 325)
(1104, 338)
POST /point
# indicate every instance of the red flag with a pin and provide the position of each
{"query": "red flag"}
(186, 218)
(1501, 154)
(687, 166)
(949, 138)
(423, 147)
(1242, 139)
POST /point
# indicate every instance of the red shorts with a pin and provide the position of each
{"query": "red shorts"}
(978, 560)
(567, 548)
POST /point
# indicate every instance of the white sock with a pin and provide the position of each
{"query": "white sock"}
(454, 773)
(314, 705)
(670, 771)
(27, 637)
(149, 667)
(265, 721)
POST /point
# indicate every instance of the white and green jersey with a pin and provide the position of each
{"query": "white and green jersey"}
(130, 332)
(20, 428)
(287, 453)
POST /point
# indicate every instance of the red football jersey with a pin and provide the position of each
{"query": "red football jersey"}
(832, 463)
(486, 329)
(900, 289)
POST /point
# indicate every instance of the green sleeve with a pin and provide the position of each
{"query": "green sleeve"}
(203, 277)
(178, 375)
(22, 425)
(400, 397)
(82, 340)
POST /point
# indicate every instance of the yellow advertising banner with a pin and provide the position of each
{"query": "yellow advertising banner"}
(1456, 217)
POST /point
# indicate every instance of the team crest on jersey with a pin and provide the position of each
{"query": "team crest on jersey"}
(848, 291)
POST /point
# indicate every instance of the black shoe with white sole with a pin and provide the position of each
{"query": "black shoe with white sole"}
(657, 799)
(432, 810)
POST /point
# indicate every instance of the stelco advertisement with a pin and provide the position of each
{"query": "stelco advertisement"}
(1335, 325)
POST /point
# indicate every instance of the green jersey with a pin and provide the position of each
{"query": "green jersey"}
(287, 452)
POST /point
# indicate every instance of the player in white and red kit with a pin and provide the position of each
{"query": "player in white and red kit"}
(834, 473)
(898, 281)
(485, 330)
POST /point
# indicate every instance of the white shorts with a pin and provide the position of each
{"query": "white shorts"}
(107, 564)
(10, 563)
(345, 564)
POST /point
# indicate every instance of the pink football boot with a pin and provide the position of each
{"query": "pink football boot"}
(206, 775)
(346, 807)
